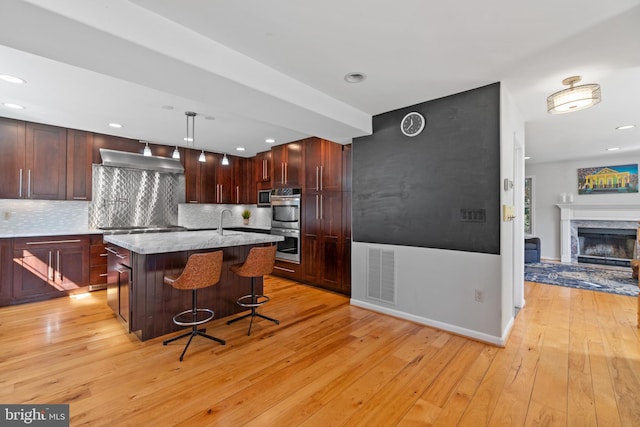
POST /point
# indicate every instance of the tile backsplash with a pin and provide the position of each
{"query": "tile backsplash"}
(197, 215)
(43, 217)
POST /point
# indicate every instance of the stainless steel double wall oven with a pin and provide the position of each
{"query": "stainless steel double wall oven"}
(285, 221)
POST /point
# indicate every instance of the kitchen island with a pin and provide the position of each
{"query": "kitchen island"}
(137, 264)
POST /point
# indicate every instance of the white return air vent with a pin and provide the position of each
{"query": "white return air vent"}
(381, 275)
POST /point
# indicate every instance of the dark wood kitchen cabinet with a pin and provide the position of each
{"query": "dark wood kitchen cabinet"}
(111, 142)
(97, 260)
(322, 239)
(243, 181)
(33, 162)
(200, 177)
(225, 184)
(322, 165)
(6, 273)
(49, 267)
(119, 290)
(286, 165)
(262, 168)
(79, 161)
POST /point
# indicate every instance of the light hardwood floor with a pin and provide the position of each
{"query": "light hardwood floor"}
(573, 358)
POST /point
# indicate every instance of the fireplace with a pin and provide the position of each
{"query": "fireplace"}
(609, 246)
(592, 215)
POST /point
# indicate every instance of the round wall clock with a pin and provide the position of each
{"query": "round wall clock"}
(412, 124)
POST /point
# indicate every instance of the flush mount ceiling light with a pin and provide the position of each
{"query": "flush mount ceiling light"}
(11, 79)
(355, 77)
(225, 160)
(575, 98)
(147, 150)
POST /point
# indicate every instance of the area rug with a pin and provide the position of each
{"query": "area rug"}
(592, 278)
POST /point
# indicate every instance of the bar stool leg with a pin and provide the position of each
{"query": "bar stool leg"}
(254, 312)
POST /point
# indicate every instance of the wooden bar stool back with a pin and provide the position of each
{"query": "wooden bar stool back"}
(259, 262)
(202, 270)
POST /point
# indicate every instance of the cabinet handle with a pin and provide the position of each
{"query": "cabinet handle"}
(282, 173)
(283, 269)
(317, 179)
(20, 183)
(321, 174)
(237, 194)
(317, 216)
(29, 184)
(58, 269)
(79, 198)
(104, 275)
(49, 272)
(52, 242)
(264, 169)
(286, 172)
(193, 201)
(104, 254)
(116, 253)
(321, 213)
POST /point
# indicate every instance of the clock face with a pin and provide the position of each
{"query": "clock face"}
(412, 124)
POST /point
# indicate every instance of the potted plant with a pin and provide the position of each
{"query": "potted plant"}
(246, 214)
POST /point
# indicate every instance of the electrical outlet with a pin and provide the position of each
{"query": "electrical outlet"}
(479, 296)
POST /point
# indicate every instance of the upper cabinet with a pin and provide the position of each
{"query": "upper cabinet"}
(113, 143)
(262, 168)
(79, 157)
(200, 177)
(322, 165)
(33, 162)
(286, 161)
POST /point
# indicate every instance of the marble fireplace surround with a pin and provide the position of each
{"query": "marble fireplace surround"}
(573, 215)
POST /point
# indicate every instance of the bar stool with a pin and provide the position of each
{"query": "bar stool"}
(259, 262)
(202, 270)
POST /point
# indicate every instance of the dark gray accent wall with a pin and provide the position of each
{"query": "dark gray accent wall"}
(440, 189)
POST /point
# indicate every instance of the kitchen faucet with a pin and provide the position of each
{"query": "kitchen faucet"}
(221, 214)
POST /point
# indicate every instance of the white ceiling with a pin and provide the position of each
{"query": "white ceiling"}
(254, 69)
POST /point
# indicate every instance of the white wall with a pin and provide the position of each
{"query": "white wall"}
(554, 178)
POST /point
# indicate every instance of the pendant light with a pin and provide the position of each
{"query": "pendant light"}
(176, 153)
(147, 150)
(575, 98)
(225, 161)
(192, 138)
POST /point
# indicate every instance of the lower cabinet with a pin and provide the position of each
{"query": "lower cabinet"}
(119, 283)
(287, 269)
(5, 271)
(49, 267)
(97, 262)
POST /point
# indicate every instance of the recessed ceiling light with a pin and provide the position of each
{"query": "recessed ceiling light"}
(625, 127)
(209, 118)
(186, 138)
(613, 149)
(355, 77)
(115, 125)
(14, 106)
(239, 148)
(11, 79)
(527, 157)
(269, 140)
(167, 107)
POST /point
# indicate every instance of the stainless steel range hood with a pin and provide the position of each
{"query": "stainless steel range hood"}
(122, 159)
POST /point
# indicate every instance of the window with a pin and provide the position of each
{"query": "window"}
(528, 205)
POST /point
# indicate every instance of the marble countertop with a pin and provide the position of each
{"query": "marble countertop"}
(155, 243)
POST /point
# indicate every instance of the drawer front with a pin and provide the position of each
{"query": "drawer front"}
(98, 275)
(98, 255)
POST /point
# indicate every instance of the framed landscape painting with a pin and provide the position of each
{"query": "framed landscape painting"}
(608, 179)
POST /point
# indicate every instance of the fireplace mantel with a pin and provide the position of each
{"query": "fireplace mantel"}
(591, 212)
